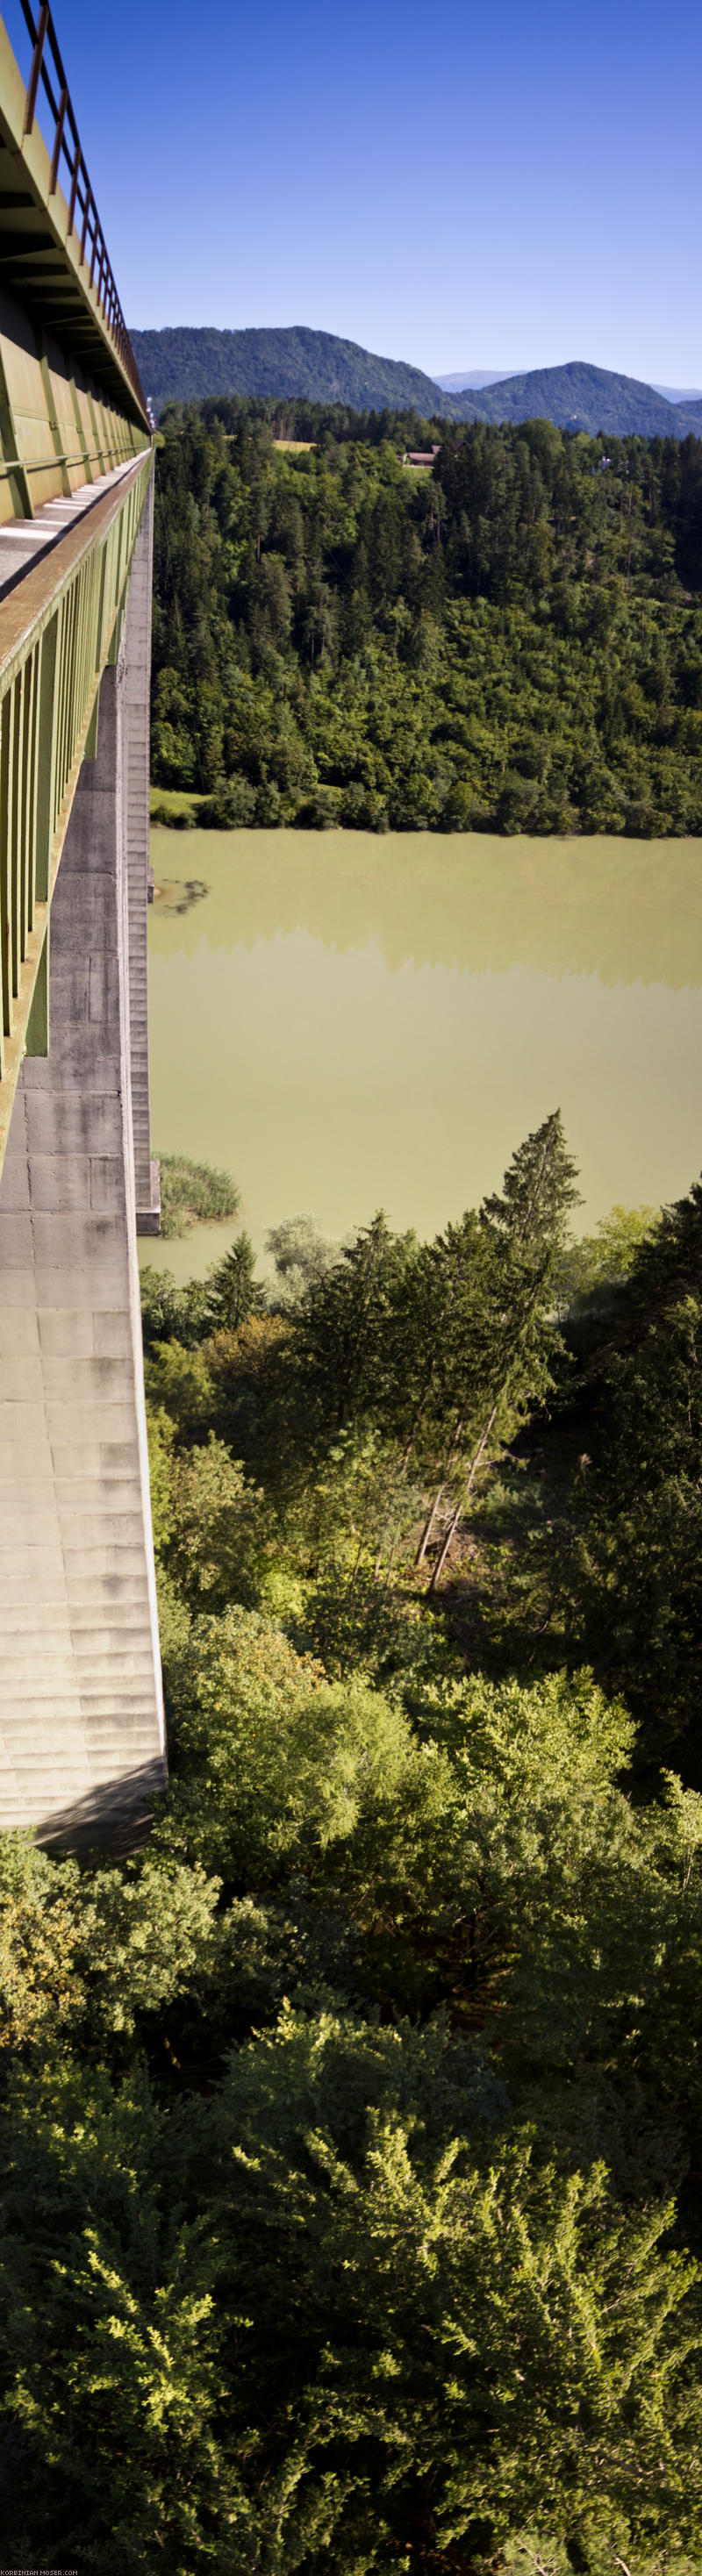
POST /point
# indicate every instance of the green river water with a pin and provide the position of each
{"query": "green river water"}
(347, 1021)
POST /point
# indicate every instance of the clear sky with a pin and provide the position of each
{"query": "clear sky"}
(505, 186)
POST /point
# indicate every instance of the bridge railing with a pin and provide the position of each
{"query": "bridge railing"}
(47, 72)
(60, 625)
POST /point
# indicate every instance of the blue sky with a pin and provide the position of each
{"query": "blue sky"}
(502, 187)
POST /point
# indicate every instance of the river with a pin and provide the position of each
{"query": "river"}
(347, 1021)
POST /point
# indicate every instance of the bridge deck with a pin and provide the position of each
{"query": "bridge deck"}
(82, 1750)
(23, 542)
(81, 1724)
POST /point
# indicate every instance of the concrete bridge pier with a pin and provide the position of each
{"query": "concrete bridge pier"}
(136, 685)
(82, 1749)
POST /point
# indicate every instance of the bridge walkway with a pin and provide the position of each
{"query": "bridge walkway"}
(81, 1722)
(24, 542)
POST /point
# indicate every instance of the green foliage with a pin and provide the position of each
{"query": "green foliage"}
(193, 1194)
(178, 1386)
(504, 2340)
(396, 2329)
(641, 1529)
(185, 363)
(107, 1947)
(301, 1256)
(160, 1434)
(581, 397)
(504, 1353)
(142, 1933)
(341, 2127)
(40, 1984)
(345, 1323)
(232, 1291)
(171, 1313)
(592, 1270)
(276, 1763)
(109, 2337)
(631, 1571)
(551, 1740)
(512, 642)
(217, 1528)
(292, 375)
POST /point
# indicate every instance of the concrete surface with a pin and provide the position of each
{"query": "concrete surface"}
(82, 1750)
(135, 790)
(24, 541)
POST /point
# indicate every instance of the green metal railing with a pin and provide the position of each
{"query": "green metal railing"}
(70, 403)
(59, 627)
(83, 219)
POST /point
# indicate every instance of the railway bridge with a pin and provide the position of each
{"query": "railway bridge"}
(82, 1748)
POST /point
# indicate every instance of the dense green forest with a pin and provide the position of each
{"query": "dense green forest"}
(350, 2131)
(188, 363)
(185, 362)
(579, 396)
(510, 641)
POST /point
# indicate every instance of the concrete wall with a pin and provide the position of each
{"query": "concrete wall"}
(81, 1719)
(135, 791)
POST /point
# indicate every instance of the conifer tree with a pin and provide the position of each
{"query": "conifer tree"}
(343, 1328)
(234, 1292)
(523, 1231)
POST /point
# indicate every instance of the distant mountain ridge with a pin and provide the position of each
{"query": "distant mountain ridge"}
(185, 363)
(467, 379)
(582, 397)
(470, 377)
(680, 393)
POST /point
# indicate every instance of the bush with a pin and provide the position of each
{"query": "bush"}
(230, 808)
(194, 1194)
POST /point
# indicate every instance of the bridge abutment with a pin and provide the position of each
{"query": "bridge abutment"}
(81, 1732)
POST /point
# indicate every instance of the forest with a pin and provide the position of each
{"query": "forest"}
(190, 363)
(509, 640)
(186, 363)
(579, 396)
(350, 2128)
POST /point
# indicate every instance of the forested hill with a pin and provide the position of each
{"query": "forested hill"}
(184, 365)
(511, 641)
(584, 397)
(187, 365)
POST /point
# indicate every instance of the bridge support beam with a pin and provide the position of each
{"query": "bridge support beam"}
(81, 1719)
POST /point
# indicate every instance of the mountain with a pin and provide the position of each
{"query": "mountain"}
(185, 363)
(471, 377)
(474, 376)
(579, 396)
(673, 393)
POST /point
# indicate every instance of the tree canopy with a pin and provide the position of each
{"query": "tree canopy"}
(349, 2128)
(509, 641)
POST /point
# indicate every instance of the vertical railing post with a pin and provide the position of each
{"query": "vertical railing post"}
(35, 74)
(58, 142)
(45, 761)
(74, 187)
